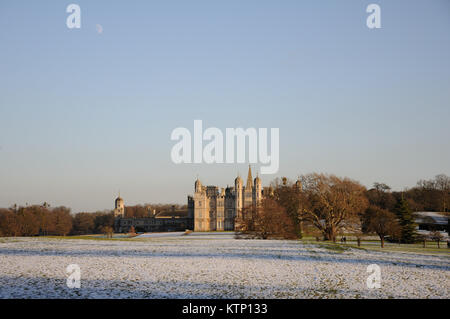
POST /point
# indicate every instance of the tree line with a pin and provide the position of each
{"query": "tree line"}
(35, 220)
(43, 220)
(326, 205)
(321, 204)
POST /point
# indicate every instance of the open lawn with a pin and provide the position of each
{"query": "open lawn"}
(431, 247)
(215, 265)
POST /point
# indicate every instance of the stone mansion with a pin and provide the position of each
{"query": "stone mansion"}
(214, 210)
(208, 209)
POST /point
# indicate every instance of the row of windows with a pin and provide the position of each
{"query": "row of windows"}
(212, 214)
(150, 222)
(219, 204)
(220, 225)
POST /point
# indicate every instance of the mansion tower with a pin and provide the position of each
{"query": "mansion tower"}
(119, 207)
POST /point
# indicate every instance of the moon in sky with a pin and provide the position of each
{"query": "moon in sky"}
(99, 28)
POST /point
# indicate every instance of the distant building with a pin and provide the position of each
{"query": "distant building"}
(214, 210)
(432, 221)
(153, 224)
(173, 220)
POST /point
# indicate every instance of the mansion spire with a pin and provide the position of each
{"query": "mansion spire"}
(249, 178)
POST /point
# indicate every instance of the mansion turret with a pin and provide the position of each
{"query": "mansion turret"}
(119, 207)
(216, 210)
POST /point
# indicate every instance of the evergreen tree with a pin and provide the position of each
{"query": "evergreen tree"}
(406, 218)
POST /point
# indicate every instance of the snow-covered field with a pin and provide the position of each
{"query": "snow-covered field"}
(212, 266)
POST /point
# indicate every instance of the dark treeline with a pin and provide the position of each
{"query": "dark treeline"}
(428, 195)
(318, 204)
(93, 223)
(35, 220)
(327, 206)
(44, 220)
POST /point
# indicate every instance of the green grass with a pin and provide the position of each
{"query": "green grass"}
(409, 248)
(332, 246)
(8, 240)
(372, 244)
(87, 237)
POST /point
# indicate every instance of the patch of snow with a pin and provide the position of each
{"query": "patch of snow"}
(212, 265)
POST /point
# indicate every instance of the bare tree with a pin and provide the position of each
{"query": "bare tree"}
(434, 193)
(108, 231)
(381, 187)
(290, 196)
(83, 223)
(7, 222)
(269, 220)
(27, 218)
(381, 196)
(382, 222)
(437, 237)
(63, 220)
(331, 202)
(442, 183)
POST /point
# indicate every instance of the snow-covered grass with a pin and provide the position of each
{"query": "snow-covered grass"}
(213, 265)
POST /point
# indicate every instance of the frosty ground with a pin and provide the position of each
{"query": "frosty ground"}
(212, 266)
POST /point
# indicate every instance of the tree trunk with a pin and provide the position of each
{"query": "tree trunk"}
(382, 242)
(329, 234)
(300, 226)
(438, 244)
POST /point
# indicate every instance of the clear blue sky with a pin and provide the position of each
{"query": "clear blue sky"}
(84, 114)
